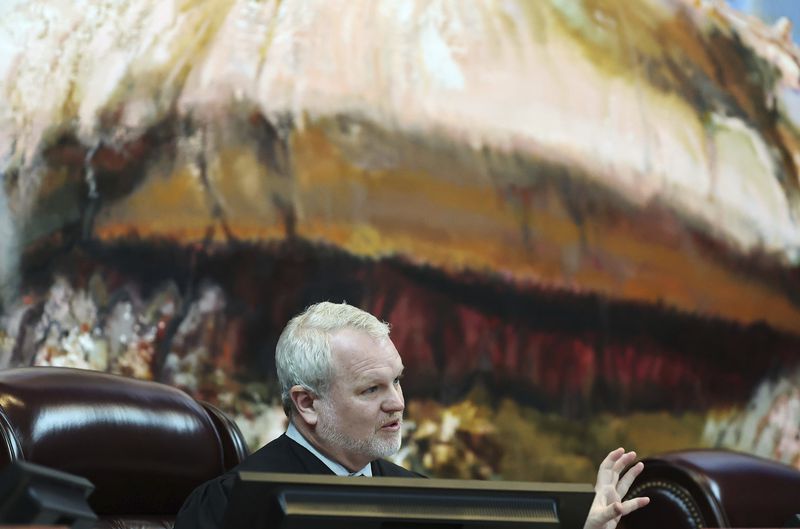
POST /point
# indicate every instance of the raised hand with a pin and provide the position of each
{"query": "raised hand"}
(608, 507)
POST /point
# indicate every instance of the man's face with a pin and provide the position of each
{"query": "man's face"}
(359, 419)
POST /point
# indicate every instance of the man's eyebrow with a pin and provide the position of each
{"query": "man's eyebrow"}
(376, 379)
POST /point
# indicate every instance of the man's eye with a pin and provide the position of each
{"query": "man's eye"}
(397, 380)
(371, 389)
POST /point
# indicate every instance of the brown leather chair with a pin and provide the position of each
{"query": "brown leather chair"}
(144, 445)
(714, 488)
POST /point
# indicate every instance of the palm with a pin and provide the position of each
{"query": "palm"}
(608, 507)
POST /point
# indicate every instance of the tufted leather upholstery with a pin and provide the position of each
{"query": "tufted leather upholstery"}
(144, 445)
(714, 488)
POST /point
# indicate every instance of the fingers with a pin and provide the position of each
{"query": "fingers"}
(620, 465)
(627, 480)
(617, 509)
(624, 460)
(612, 466)
(612, 458)
(629, 506)
(605, 472)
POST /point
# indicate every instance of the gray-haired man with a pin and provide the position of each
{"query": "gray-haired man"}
(340, 383)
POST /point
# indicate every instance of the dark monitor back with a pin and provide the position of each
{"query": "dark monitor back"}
(34, 494)
(262, 500)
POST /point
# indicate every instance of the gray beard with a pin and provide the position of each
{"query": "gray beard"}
(374, 447)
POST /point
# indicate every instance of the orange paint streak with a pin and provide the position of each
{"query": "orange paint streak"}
(446, 214)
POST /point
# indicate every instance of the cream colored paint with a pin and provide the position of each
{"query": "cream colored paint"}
(447, 68)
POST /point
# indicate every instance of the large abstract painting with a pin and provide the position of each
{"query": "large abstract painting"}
(580, 217)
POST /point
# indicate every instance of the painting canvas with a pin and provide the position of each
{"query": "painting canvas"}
(579, 217)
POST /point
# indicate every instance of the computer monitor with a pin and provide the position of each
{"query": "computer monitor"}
(262, 500)
(34, 494)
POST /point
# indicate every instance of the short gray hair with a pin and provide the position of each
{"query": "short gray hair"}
(303, 354)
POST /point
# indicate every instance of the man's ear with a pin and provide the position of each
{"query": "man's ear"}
(303, 400)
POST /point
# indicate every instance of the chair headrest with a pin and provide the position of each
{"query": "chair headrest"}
(144, 445)
(731, 489)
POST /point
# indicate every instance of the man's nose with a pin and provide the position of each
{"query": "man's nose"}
(395, 402)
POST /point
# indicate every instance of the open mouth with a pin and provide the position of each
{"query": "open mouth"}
(393, 426)
(567, 273)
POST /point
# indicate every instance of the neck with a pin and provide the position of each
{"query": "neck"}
(310, 435)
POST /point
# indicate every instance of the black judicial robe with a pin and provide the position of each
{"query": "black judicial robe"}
(205, 506)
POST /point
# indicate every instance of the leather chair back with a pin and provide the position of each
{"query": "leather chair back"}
(144, 445)
(714, 488)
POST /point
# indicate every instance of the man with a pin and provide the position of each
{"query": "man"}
(340, 384)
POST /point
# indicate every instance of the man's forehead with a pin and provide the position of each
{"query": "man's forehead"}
(355, 350)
